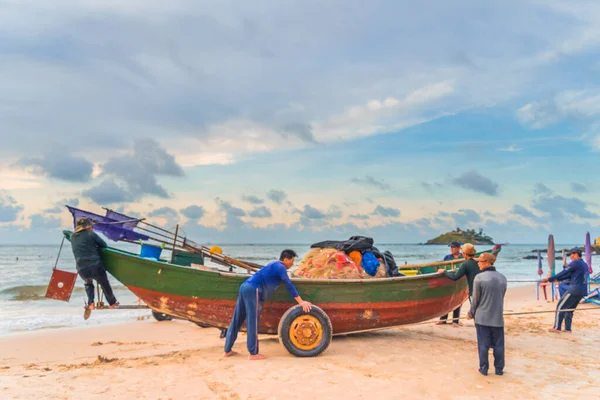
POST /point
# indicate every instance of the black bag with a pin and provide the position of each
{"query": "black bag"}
(360, 243)
(390, 264)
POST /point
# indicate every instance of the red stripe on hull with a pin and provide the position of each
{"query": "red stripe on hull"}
(345, 317)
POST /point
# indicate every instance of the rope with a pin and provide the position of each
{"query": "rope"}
(518, 313)
(456, 319)
(59, 250)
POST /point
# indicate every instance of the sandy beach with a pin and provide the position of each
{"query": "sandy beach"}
(146, 359)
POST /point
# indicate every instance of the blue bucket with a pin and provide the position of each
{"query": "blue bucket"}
(149, 251)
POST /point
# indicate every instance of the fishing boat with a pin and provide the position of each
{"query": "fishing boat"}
(184, 288)
(208, 297)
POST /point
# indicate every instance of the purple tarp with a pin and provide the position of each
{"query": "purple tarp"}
(122, 217)
(115, 231)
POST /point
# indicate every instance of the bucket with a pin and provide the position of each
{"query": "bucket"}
(149, 251)
(409, 272)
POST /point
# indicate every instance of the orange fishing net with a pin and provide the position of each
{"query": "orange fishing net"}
(333, 264)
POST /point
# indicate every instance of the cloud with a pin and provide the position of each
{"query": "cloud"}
(166, 212)
(541, 189)
(228, 209)
(578, 105)
(538, 115)
(466, 218)
(579, 188)
(193, 212)
(476, 182)
(510, 149)
(595, 141)
(386, 212)
(9, 209)
(276, 196)
(359, 216)
(370, 181)
(432, 187)
(524, 212)
(42, 222)
(334, 212)
(559, 207)
(311, 212)
(108, 192)
(252, 199)
(376, 116)
(59, 206)
(60, 165)
(260, 212)
(303, 131)
(137, 172)
(150, 84)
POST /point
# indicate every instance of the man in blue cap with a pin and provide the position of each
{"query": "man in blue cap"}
(455, 254)
(577, 274)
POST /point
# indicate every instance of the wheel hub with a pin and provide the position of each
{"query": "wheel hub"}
(306, 332)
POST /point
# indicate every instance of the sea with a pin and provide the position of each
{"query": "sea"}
(25, 272)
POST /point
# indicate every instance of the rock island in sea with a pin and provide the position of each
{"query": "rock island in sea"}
(462, 236)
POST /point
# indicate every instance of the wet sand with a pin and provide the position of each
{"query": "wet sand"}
(179, 360)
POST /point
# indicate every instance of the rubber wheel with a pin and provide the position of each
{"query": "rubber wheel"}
(305, 334)
(201, 325)
(161, 317)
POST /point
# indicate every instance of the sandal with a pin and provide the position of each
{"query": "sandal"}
(87, 311)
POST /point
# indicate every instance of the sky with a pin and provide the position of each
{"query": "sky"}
(301, 121)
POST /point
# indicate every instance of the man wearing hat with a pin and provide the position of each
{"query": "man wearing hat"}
(86, 246)
(577, 274)
(454, 252)
(468, 268)
(487, 309)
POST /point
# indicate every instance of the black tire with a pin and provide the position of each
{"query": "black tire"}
(201, 325)
(294, 316)
(161, 317)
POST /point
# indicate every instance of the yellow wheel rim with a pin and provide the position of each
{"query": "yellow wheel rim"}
(306, 332)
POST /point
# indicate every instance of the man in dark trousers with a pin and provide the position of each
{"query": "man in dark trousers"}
(577, 274)
(468, 268)
(251, 296)
(487, 308)
(86, 246)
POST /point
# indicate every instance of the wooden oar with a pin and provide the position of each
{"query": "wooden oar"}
(433, 264)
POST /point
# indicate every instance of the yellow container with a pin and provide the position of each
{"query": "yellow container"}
(409, 272)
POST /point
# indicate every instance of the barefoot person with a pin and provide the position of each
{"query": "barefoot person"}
(468, 268)
(251, 296)
(86, 246)
(487, 308)
(577, 274)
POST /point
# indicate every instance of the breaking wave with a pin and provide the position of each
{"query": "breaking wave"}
(36, 292)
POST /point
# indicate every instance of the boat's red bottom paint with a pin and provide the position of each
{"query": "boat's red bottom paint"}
(345, 317)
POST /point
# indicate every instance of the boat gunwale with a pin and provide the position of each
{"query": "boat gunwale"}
(293, 279)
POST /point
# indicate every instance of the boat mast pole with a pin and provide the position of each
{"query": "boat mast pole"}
(174, 243)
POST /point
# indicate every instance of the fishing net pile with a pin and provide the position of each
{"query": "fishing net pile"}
(355, 258)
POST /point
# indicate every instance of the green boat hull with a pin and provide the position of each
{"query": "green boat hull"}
(209, 297)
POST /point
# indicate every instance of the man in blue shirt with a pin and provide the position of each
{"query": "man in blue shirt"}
(253, 293)
(577, 274)
(454, 252)
(454, 255)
